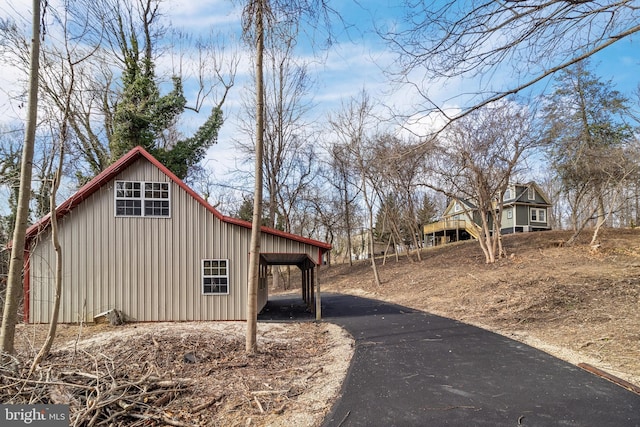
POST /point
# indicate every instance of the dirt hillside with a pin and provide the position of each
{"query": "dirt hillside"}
(576, 303)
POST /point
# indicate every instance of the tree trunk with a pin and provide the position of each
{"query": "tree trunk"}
(376, 277)
(254, 254)
(46, 347)
(55, 185)
(14, 280)
(347, 215)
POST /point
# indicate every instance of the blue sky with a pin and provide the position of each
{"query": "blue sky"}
(355, 62)
(359, 57)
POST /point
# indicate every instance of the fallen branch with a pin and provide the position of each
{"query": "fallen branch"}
(264, 392)
(313, 373)
(259, 404)
(205, 405)
(161, 418)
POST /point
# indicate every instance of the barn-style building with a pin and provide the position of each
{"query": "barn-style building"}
(138, 240)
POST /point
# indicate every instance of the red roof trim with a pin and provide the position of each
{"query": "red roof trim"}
(125, 161)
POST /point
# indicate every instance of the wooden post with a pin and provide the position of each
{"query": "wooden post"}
(304, 286)
(318, 305)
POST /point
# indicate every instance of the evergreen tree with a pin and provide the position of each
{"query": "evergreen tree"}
(144, 117)
(588, 140)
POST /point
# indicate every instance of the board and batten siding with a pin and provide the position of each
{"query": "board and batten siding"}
(149, 268)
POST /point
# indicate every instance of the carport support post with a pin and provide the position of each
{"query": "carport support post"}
(317, 280)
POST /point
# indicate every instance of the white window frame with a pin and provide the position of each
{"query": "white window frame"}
(531, 193)
(535, 214)
(215, 276)
(142, 196)
(509, 213)
(507, 194)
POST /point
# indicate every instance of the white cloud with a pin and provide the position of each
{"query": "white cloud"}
(197, 16)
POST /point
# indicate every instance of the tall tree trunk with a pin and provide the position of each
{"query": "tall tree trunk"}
(14, 281)
(376, 277)
(46, 347)
(602, 216)
(254, 254)
(347, 215)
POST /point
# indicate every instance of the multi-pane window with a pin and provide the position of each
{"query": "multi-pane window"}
(135, 198)
(539, 215)
(215, 276)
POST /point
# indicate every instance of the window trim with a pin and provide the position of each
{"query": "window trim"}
(537, 212)
(531, 193)
(141, 198)
(509, 213)
(204, 276)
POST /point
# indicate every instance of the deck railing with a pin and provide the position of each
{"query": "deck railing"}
(452, 224)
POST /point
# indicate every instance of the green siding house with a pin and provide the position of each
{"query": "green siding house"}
(525, 208)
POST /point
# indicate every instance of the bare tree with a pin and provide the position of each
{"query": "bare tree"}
(474, 161)
(130, 37)
(255, 15)
(289, 156)
(351, 126)
(14, 280)
(72, 61)
(398, 165)
(341, 177)
(526, 40)
(260, 19)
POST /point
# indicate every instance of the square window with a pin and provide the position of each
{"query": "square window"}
(539, 215)
(215, 277)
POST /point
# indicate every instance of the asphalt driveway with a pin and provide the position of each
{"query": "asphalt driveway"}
(412, 368)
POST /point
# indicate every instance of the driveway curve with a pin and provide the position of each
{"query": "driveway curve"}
(411, 368)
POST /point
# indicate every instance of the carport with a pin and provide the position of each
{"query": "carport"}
(309, 269)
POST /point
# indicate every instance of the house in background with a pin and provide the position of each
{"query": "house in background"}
(138, 240)
(525, 208)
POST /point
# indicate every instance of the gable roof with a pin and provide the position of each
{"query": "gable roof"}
(464, 203)
(124, 162)
(519, 196)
